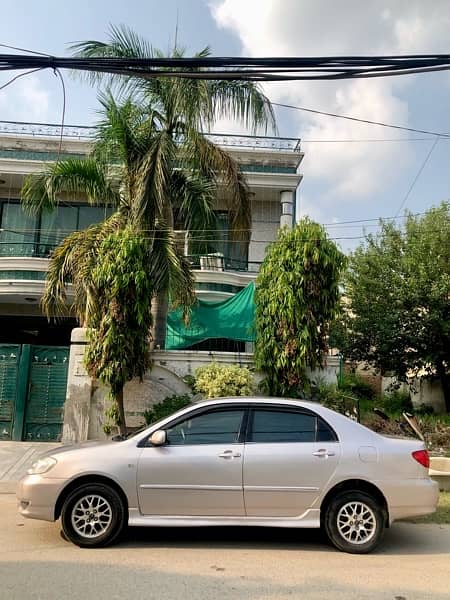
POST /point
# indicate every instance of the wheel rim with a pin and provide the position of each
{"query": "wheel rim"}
(91, 516)
(356, 522)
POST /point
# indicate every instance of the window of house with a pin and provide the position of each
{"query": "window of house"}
(19, 230)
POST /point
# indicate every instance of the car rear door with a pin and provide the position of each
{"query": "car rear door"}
(290, 455)
(198, 472)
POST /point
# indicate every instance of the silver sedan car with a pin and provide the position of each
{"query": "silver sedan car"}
(236, 461)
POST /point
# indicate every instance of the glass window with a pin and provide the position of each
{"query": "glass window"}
(19, 230)
(324, 432)
(271, 426)
(89, 215)
(216, 427)
(57, 225)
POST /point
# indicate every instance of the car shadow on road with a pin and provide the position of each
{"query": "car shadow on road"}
(400, 539)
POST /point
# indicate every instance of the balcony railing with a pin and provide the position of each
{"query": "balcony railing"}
(84, 132)
(220, 262)
(26, 249)
(202, 262)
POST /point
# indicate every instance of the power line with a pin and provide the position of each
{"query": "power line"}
(418, 174)
(2, 87)
(358, 120)
(238, 68)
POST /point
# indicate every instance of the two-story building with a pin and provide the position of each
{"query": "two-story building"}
(34, 352)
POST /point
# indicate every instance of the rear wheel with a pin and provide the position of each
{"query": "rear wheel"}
(354, 522)
(93, 515)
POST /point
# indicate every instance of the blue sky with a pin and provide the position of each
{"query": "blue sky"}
(343, 180)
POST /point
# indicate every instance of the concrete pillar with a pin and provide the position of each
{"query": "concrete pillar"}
(287, 198)
(79, 392)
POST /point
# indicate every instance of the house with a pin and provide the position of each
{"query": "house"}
(36, 358)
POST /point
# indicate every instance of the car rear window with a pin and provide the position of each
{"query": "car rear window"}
(273, 426)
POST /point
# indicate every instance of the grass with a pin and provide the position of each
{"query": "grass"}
(442, 514)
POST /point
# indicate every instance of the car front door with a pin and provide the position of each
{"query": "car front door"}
(198, 472)
(290, 455)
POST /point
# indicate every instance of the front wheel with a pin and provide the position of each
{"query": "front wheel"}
(354, 522)
(93, 515)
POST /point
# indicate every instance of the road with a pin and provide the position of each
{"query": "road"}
(209, 564)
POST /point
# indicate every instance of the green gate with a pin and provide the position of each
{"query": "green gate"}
(33, 383)
(9, 372)
(47, 383)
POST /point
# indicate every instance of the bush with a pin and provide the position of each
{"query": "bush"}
(165, 408)
(395, 402)
(354, 384)
(335, 398)
(214, 380)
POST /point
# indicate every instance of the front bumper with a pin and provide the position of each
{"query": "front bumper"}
(37, 496)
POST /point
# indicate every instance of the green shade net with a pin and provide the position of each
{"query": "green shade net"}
(232, 319)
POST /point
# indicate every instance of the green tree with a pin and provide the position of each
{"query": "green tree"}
(297, 295)
(152, 162)
(398, 294)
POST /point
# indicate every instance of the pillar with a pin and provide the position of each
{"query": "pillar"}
(287, 198)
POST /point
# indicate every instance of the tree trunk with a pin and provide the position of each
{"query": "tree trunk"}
(160, 308)
(445, 382)
(122, 423)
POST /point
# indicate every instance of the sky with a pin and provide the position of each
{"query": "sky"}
(351, 171)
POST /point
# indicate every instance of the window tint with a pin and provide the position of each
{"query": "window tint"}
(283, 426)
(216, 427)
(324, 432)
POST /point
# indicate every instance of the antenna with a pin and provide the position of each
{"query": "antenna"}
(176, 32)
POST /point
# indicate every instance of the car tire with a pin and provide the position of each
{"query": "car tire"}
(354, 522)
(93, 516)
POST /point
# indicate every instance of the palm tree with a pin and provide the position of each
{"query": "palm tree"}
(152, 162)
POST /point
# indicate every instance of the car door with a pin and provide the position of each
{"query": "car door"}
(290, 455)
(198, 472)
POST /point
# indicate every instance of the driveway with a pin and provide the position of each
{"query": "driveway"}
(223, 564)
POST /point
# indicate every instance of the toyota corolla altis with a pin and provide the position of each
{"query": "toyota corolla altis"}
(235, 461)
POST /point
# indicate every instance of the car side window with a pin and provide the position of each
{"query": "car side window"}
(324, 432)
(214, 427)
(270, 426)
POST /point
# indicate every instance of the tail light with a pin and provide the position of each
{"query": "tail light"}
(422, 457)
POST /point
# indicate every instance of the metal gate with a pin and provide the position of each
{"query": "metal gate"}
(33, 383)
(9, 371)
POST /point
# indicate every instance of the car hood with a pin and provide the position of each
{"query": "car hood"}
(81, 446)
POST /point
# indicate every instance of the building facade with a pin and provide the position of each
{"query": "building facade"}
(35, 352)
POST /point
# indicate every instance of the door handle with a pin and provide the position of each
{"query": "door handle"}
(323, 453)
(229, 454)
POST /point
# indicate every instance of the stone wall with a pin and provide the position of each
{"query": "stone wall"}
(86, 400)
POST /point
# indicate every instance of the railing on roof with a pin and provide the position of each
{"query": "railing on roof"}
(85, 132)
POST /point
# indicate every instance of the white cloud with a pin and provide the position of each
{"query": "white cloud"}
(352, 172)
(24, 100)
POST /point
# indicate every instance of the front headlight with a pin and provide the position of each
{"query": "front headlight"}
(42, 466)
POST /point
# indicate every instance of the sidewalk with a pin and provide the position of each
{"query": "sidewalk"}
(16, 458)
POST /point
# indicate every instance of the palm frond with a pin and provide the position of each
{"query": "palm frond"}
(88, 177)
(72, 263)
(215, 164)
(152, 177)
(243, 101)
(170, 271)
(193, 201)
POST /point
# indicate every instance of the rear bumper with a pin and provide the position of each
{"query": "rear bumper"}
(37, 496)
(410, 498)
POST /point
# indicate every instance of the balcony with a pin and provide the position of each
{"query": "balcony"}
(86, 133)
(25, 249)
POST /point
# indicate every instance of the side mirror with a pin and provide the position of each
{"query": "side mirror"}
(158, 438)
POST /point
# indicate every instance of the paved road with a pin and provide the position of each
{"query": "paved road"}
(209, 564)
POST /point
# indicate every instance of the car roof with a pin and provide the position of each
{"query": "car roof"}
(262, 400)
